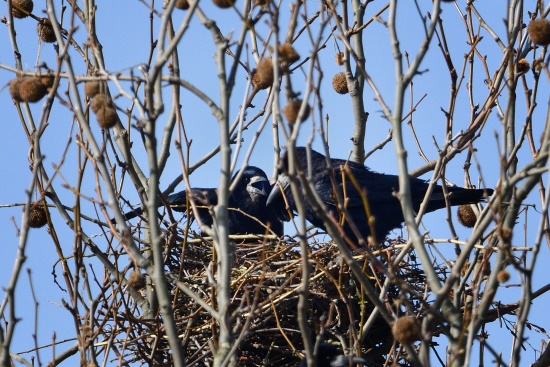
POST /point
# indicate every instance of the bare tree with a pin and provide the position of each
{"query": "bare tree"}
(124, 103)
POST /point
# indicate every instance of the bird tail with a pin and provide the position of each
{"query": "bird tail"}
(176, 201)
(130, 215)
(457, 196)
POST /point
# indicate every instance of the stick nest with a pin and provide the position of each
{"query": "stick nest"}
(265, 284)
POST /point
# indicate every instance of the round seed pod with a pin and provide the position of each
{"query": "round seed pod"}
(92, 89)
(106, 117)
(503, 276)
(224, 4)
(136, 280)
(262, 77)
(538, 64)
(340, 83)
(47, 80)
(466, 216)
(288, 54)
(182, 4)
(14, 89)
(32, 90)
(404, 330)
(291, 111)
(100, 101)
(261, 2)
(37, 215)
(21, 8)
(539, 31)
(340, 58)
(522, 66)
(45, 30)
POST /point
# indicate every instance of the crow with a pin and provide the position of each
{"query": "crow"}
(329, 355)
(248, 213)
(379, 190)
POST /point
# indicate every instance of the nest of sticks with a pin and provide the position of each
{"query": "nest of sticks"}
(266, 286)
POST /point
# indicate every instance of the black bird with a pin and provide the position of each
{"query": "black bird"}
(329, 355)
(379, 189)
(247, 204)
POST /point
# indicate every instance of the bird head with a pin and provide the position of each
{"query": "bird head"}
(255, 181)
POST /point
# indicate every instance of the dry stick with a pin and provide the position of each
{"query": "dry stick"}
(153, 96)
(525, 303)
(224, 249)
(404, 185)
(121, 135)
(6, 336)
(291, 141)
(530, 180)
(356, 93)
(99, 160)
(514, 205)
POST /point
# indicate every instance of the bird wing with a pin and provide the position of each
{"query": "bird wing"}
(358, 183)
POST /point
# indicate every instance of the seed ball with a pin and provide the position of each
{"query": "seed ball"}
(14, 89)
(182, 4)
(136, 280)
(47, 81)
(291, 111)
(100, 101)
(45, 30)
(106, 117)
(31, 89)
(261, 2)
(539, 31)
(224, 4)
(37, 215)
(522, 66)
(262, 77)
(288, 54)
(92, 89)
(503, 276)
(21, 8)
(466, 216)
(404, 330)
(340, 58)
(538, 64)
(340, 83)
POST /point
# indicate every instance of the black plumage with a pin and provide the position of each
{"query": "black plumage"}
(329, 355)
(378, 188)
(246, 203)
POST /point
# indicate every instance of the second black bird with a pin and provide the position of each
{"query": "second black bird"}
(246, 203)
(378, 188)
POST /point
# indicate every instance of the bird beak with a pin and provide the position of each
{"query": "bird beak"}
(277, 190)
(258, 186)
